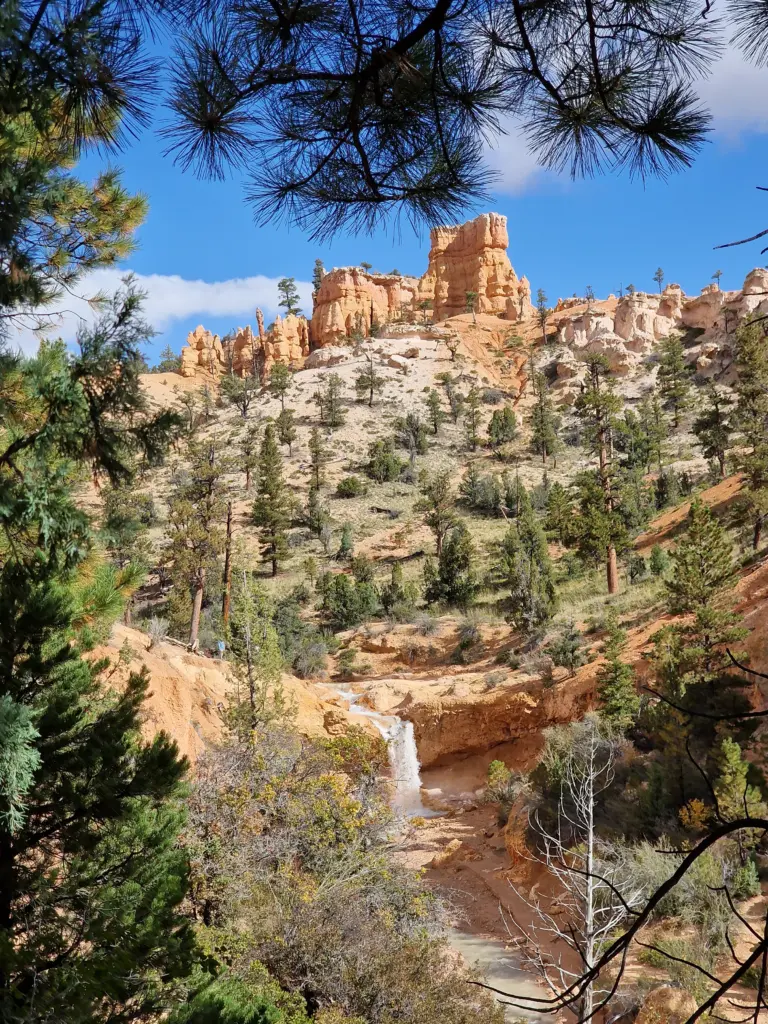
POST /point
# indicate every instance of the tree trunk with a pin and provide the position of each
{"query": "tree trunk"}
(128, 612)
(248, 479)
(757, 534)
(612, 570)
(197, 606)
(226, 597)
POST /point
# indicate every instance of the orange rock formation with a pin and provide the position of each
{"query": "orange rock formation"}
(248, 353)
(464, 258)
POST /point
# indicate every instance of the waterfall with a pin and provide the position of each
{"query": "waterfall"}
(403, 757)
(404, 762)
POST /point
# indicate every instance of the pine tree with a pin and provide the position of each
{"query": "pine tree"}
(559, 513)
(502, 427)
(658, 561)
(249, 455)
(169, 362)
(752, 419)
(703, 569)
(289, 295)
(368, 382)
(658, 277)
(239, 391)
(597, 407)
(526, 569)
(329, 401)
(674, 377)
(195, 516)
(544, 422)
(619, 700)
(280, 381)
(286, 428)
(567, 649)
(713, 426)
(656, 431)
(454, 580)
(411, 434)
(471, 298)
(472, 418)
(435, 413)
(318, 456)
(346, 543)
(542, 312)
(736, 797)
(438, 506)
(273, 505)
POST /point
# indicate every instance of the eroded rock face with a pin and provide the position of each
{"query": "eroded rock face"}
(470, 257)
(248, 353)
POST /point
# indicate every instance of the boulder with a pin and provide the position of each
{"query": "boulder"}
(447, 855)
(332, 355)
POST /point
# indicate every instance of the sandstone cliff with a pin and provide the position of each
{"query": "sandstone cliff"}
(470, 257)
(248, 352)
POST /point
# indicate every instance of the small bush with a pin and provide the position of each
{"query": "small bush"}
(469, 634)
(347, 662)
(492, 396)
(494, 679)
(426, 624)
(157, 630)
(311, 657)
(351, 487)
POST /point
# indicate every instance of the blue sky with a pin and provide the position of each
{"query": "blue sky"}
(203, 260)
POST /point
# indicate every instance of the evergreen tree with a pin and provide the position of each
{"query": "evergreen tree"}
(411, 434)
(713, 426)
(383, 464)
(128, 515)
(318, 273)
(658, 277)
(437, 503)
(329, 401)
(559, 513)
(674, 377)
(471, 298)
(598, 531)
(318, 458)
(239, 391)
(502, 427)
(454, 580)
(658, 561)
(346, 543)
(435, 413)
(195, 515)
(703, 569)
(736, 797)
(597, 407)
(289, 295)
(280, 381)
(619, 700)
(544, 422)
(169, 362)
(248, 455)
(368, 382)
(656, 430)
(525, 568)
(752, 419)
(632, 440)
(472, 418)
(567, 649)
(286, 428)
(317, 516)
(542, 312)
(273, 505)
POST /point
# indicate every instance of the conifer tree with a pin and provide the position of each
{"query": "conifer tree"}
(411, 434)
(567, 650)
(471, 298)
(559, 513)
(542, 312)
(289, 295)
(656, 430)
(437, 503)
(620, 702)
(280, 381)
(435, 413)
(286, 428)
(502, 427)
(752, 419)
(454, 579)
(368, 382)
(544, 422)
(703, 569)
(472, 418)
(658, 277)
(169, 362)
(736, 796)
(195, 517)
(597, 407)
(273, 505)
(329, 401)
(674, 377)
(318, 273)
(249, 455)
(318, 458)
(239, 391)
(526, 569)
(713, 426)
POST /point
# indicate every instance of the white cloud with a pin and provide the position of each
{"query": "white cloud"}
(515, 164)
(735, 94)
(170, 298)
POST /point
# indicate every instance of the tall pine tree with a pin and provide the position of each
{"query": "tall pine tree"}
(273, 506)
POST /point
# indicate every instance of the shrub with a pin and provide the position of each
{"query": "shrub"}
(383, 464)
(157, 630)
(426, 624)
(492, 396)
(658, 561)
(311, 657)
(637, 568)
(346, 662)
(566, 649)
(346, 602)
(351, 487)
(494, 678)
(469, 634)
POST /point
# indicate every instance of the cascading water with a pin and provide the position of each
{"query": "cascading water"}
(403, 757)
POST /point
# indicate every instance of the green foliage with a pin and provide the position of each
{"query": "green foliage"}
(280, 381)
(351, 487)
(239, 391)
(319, 456)
(273, 507)
(347, 543)
(566, 650)
(369, 383)
(318, 273)
(559, 518)
(437, 503)
(544, 422)
(329, 399)
(674, 376)
(703, 569)
(620, 702)
(383, 464)
(169, 362)
(228, 1000)
(289, 295)
(435, 413)
(525, 568)
(286, 428)
(345, 602)
(598, 525)
(398, 597)
(752, 418)
(471, 409)
(658, 561)
(411, 434)
(736, 797)
(713, 426)
(502, 427)
(454, 581)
